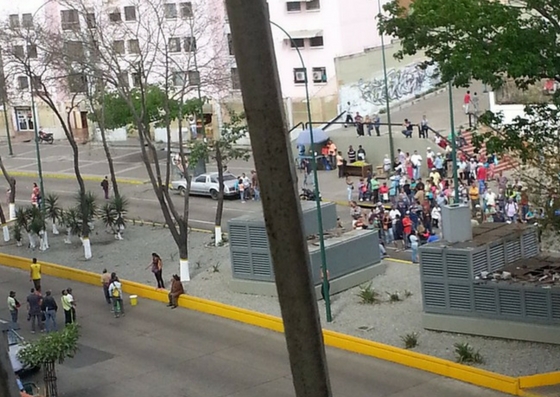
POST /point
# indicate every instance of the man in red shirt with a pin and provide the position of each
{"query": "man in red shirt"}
(467, 102)
(481, 177)
(407, 228)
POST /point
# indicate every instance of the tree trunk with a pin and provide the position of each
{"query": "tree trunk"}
(54, 228)
(220, 206)
(49, 377)
(8, 385)
(12, 183)
(106, 146)
(184, 271)
(5, 229)
(44, 241)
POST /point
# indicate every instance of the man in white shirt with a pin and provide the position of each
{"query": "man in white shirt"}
(349, 119)
(416, 161)
(490, 198)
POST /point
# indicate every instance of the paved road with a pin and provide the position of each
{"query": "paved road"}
(154, 351)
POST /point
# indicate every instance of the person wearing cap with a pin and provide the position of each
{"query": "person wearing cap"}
(430, 156)
(438, 164)
(407, 228)
(474, 196)
(423, 132)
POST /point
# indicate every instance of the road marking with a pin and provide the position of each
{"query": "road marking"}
(129, 169)
(126, 155)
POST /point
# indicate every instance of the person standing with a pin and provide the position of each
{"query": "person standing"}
(349, 187)
(105, 187)
(377, 124)
(416, 161)
(50, 308)
(325, 287)
(35, 195)
(35, 274)
(467, 102)
(34, 302)
(256, 187)
(361, 153)
(105, 282)
(13, 307)
(414, 246)
(369, 125)
(349, 118)
(359, 120)
(115, 290)
(176, 291)
(157, 269)
(475, 104)
(340, 164)
(69, 306)
(423, 133)
(351, 154)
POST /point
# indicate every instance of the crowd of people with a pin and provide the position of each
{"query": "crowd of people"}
(406, 205)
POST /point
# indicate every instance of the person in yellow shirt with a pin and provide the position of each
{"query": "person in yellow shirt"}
(474, 195)
(35, 274)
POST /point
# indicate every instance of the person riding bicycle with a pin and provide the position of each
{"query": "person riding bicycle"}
(115, 291)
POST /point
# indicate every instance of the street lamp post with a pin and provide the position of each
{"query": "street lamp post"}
(324, 269)
(38, 151)
(453, 144)
(387, 99)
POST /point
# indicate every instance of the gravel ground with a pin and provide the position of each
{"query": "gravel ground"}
(384, 322)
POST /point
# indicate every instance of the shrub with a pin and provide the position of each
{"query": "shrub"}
(393, 296)
(466, 354)
(410, 340)
(368, 295)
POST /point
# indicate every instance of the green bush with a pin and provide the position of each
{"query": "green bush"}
(368, 295)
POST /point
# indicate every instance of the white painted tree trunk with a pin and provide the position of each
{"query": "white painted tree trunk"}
(68, 239)
(184, 270)
(44, 241)
(218, 235)
(12, 210)
(19, 243)
(32, 243)
(55, 229)
(6, 231)
(119, 236)
(87, 248)
(91, 225)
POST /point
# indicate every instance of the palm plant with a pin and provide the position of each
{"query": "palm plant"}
(53, 211)
(120, 206)
(17, 233)
(21, 224)
(37, 226)
(108, 216)
(87, 207)
(72, 222)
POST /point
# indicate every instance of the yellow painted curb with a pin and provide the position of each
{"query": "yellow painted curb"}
(399, 261)
(479, 377)
(539, 380)
(93, 178)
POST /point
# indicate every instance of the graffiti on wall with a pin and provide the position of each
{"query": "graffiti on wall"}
(367, 96)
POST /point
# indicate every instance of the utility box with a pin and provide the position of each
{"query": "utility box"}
(456, 223)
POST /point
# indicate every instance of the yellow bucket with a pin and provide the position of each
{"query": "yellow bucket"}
(133, 300)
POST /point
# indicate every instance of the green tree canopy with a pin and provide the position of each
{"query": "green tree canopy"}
(118, 113)
(52, 347)
(486, 40)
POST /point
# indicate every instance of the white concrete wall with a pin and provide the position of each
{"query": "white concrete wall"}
(509, 112)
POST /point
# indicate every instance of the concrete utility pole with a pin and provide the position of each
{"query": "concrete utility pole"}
(260, 86)
(8, 386)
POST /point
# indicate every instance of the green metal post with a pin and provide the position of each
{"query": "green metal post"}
(324, 269)
(38, 151)
(387, 99)
(453, 144)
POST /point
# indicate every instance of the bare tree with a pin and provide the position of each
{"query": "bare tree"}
(43, 59)
(149, 66)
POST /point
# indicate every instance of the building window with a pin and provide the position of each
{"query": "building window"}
(74, 49)
(27, 21)
(118, 47)
(293, 6)
(115, 16)
(297, 43)
(190, 44)
(36, 83)
(170, 10)
(32, 51)
(178, 79)
(299, 75)
(24, 119)
(174, 44)
(312, 5)
(194, 77)
(14, 21)
(133, 46)
(136, 79)
(235, 83)
(70, 20)
(23, 83)
(320, 75)
(130, 13)
(316, 41)
(18, 52)
(230, 44)
(186, 10)
(90, 20)
(77, 83)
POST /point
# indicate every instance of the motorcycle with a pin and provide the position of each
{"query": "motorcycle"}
(308, 195)
(46, 137)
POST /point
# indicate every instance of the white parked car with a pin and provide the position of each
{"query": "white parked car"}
(207, 185)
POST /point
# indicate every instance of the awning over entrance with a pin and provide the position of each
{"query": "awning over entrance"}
(305, 34)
